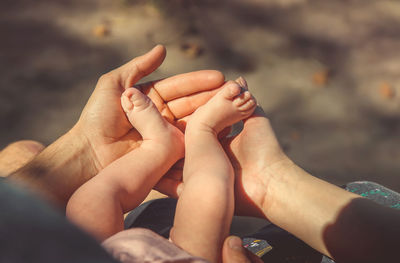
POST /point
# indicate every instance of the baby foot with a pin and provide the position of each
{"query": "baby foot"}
(147, 120)
(230, 105)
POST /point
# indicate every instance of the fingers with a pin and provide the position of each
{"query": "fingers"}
(158, 101)
(184, 93)
(189, 83)
(141, 66)
(234, 252)
(184, 106)
(180, 95)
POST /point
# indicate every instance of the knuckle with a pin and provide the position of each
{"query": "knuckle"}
(104, 77)
(107, 78)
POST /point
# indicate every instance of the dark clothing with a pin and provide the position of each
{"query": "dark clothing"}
(32, 231)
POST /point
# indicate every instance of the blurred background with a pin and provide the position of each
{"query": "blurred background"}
(327, 72)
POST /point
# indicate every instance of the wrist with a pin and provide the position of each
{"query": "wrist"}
(59, 169)
(82, 152)
(276, 177)
(259, 191)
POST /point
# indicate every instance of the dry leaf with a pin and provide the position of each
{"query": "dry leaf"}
(320, 78)
(295, 135)
(386, 90)
(191, 50)
(101, 30)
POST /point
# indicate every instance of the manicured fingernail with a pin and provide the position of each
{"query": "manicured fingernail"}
(235, 243)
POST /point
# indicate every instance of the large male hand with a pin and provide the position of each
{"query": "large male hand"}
(103, 122)
(103, 132)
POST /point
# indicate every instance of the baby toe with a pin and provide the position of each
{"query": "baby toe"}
(140, 100)
(242, 99)
(242, 82)
(126, 102)
(248, 105)
(231, 91)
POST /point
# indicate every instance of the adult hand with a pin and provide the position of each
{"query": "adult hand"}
(254, 153)
(234, 252)
(269, 184)
(103, 132)
(103, 122)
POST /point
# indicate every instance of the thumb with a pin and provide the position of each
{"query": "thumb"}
(234, 252)
(139, 67)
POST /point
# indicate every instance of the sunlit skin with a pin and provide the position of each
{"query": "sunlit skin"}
(205, 206)
(124, 184)
(103, 132)
(208, 175)
(268, 184)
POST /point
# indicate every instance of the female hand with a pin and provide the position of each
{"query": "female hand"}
(254, 153)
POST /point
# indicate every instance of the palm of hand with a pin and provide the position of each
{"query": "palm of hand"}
(106, 127)
(252, 153)
(103, 124)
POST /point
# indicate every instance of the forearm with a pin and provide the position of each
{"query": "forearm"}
(302, 204)
(337, 223)
(58, 170)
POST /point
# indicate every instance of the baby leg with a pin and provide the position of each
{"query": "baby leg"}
(98, 206)
(205, 207)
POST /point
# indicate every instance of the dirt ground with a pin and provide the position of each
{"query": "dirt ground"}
(326, 72)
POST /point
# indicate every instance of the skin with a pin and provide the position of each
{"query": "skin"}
(208, 175)
(124, 184)
(18, 154)
(335, 222)
(91, 144)
(234, 252)
(268, 183)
